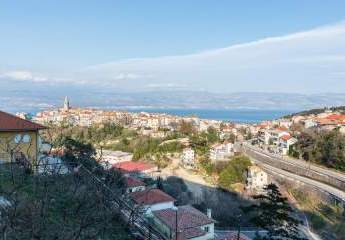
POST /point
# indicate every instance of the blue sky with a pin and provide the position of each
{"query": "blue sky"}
(144, 43)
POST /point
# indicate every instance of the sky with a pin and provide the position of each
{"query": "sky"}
(199, 45)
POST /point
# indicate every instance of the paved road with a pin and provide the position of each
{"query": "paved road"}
(339, 194)
(318, 185)
(300, 163)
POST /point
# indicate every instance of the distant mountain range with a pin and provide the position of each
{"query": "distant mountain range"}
(31, 97)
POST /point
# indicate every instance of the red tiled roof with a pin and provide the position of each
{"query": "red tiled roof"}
(151, 196)
(192, 233)
(10, 122)
(336, 117)
(286, 137)
(130, 166)
(325, 121)
(187, 218)
(133, 182)
(282, 128)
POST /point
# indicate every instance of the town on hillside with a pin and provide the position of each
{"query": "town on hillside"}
(178, 171)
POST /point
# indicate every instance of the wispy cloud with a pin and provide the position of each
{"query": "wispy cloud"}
(299, 62)
(23, 76)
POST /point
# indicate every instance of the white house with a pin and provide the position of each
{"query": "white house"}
(221, 151)
(256, 179)
(268, 136)
(152, 200)
(285, 142)
(309, 123)
(184, 222)
(188, 158)
(286, 123)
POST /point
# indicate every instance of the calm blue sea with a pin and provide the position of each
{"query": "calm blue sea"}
(238, 116)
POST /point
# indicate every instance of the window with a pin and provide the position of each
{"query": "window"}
(207, 229)
(18, 138)
(26, 138)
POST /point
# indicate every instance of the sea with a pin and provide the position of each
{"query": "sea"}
(230, 115)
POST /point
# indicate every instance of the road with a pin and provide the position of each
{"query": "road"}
(339, 194)
(300, 163)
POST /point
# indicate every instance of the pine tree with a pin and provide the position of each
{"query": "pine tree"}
(274, 214)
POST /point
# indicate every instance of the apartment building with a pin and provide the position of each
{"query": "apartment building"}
(221, 151)
(188, 158)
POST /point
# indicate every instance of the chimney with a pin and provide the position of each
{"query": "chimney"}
(209, 212)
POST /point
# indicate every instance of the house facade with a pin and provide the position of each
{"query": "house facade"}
(188, 158)
(257, 179)
(285, 142)
(19, 139)
(221, 151)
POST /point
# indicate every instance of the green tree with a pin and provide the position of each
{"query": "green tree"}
(234, 172)
(330, 149)
(274, 214)
(212, 135)
(76, 152)
(186, 128)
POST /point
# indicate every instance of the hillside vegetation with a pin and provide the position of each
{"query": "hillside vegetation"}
(322, 147)
(317, 111)
(55, 206)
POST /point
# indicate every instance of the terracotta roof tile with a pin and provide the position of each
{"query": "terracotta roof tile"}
(10, 122)
(130, 166)
(151, 196)
(193, 233)
(187, 218)
(336, 117)
(133, 182)
(286, 137)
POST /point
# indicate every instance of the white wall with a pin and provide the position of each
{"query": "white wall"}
(160, 206)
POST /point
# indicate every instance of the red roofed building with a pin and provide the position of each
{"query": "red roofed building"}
(152, 199)
(186, 221)
(331, 122)
(336, 117)
(285, 142)
(140, 169)
(11, 123)
(134, 185)
(19, 139)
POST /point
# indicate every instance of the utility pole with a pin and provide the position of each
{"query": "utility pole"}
(176, 224)
(239, 227)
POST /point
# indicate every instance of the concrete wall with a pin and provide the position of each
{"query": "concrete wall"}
(159, 206)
